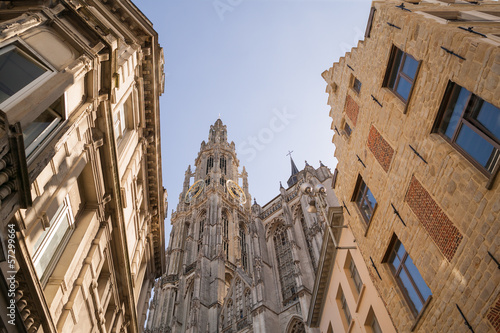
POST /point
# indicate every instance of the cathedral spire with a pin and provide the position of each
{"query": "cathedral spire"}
(293, 178)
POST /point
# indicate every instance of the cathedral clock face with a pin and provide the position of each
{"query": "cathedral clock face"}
(194, 191)
(236, 192)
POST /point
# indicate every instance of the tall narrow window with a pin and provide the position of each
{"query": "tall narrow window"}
(50, 245)
(248, 301)
(472, 126)
(223, 168)
(401, 73)
(408, 277)
(286, 268)
(123, 119)
(345, 307)
(243, 247)
(358, 283)
(210, 164)
(225, 235)
(364, 200)
(200, 233)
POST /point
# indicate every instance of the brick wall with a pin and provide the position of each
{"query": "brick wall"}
(382, 151)
(494, 315)
(351, 109)
(436, 223)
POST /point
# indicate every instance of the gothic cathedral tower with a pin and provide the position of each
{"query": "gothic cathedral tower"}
(208, 235)
(236, 267)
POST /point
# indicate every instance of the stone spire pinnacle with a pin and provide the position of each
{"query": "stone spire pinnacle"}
(293, 178)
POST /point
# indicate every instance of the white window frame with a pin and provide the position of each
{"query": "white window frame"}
(122, 126)
(19, 44)
(63, 211)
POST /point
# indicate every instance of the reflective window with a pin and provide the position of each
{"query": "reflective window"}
(472, 125)
(365, 201)
(17, 71)
(52, 242)
(401, 73)
(37, 131)
(408, 277)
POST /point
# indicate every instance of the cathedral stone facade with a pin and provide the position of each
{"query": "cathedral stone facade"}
(236, 267)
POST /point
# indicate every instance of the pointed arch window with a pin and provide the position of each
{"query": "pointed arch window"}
(248, 301)
(243, 247)
(223, 163)
(286, 267)
(210, 163)
(297, 327)
(200, 232)
(225, 234)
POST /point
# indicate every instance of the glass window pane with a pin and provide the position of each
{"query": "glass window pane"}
(410, 290)
(417, 278)
(394, 260)
(46, 120)
(17, 70)
(395, 69)
(458, 100)
(404, 87)
(50, 248)
(489, 117)
(375, 325)
(359, 197)
(410, 67)
(371, 199)
(475, 145)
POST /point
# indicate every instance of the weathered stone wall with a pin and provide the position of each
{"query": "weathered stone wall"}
(451, 217)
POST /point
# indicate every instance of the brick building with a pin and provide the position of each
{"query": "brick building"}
(415, 109)
(82, 205)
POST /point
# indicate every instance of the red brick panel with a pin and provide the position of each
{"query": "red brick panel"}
(438, 225)
(494, 315)
(380, 148)
(351, 109)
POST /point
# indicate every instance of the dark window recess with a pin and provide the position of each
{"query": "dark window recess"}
(364, 200)
(334, 178)
(210, 164)
(409, 280)
(472, 126)
(401, 72)
(345, 308)
(356, 85)
(347, 129)
(358, 283)
(35, 133)
(223, 165)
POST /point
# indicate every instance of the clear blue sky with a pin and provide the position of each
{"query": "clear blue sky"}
(258, 63)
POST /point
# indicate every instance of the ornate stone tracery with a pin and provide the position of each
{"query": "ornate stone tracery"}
(285, 264)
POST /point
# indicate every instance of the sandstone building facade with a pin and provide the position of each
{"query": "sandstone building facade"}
(82, 203)
(415, 109)
(237, 267)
